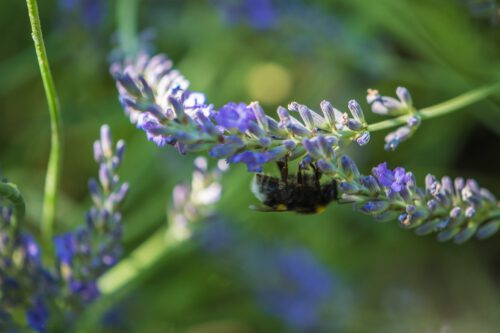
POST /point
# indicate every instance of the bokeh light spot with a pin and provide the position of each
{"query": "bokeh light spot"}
(269, 83)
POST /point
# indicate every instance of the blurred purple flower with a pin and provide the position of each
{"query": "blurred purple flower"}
(259, 14)
(295, 288)
(90, 12)
(37, 316)
(65, 246)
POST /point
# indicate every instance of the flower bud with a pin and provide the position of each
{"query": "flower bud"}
(363, 139)
(488, 229)
(356, 111)
(404, 96)
(374, 206)
(260, 115)
(348, 167)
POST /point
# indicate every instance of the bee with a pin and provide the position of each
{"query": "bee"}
(304, 195)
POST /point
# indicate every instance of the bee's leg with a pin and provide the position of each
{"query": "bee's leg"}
(317, 176)
(300, 177)
(283, 168)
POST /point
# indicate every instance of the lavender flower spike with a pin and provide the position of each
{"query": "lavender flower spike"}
(195, 201)
(454, 211)
(157, 100)
(87, 252)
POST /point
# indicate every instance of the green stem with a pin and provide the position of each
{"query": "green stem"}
(128, 272)
(126, 11)
(12, 193)
(139, 260)
(56, 145)
(440, 109)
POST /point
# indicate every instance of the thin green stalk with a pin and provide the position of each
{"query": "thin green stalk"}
(129, 273)
(126, 11)
(56, 145)
(12, 193)
(440, 109)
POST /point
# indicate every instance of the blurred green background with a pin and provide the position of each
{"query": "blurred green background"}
(387, 279)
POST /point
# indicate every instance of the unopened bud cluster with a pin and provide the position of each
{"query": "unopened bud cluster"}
(390, 106)
(456, 209)
(195, 201)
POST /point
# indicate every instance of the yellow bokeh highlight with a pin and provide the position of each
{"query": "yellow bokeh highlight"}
(269, 83)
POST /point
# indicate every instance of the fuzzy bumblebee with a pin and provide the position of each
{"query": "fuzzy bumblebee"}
(304, 195)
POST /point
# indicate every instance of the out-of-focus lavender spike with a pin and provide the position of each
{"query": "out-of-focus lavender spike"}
(191, 202)
(96, 244)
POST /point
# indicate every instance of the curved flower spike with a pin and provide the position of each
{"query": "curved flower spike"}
(156, 98)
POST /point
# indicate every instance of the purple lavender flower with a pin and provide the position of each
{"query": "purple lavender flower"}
(395, 180)
(253, 160)
(89, 12)
(65, 246)
(260, 14)
(234, 116)
(384, 176)
(37, 316)
(289, 283)
(298, 287)
(87, 252)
